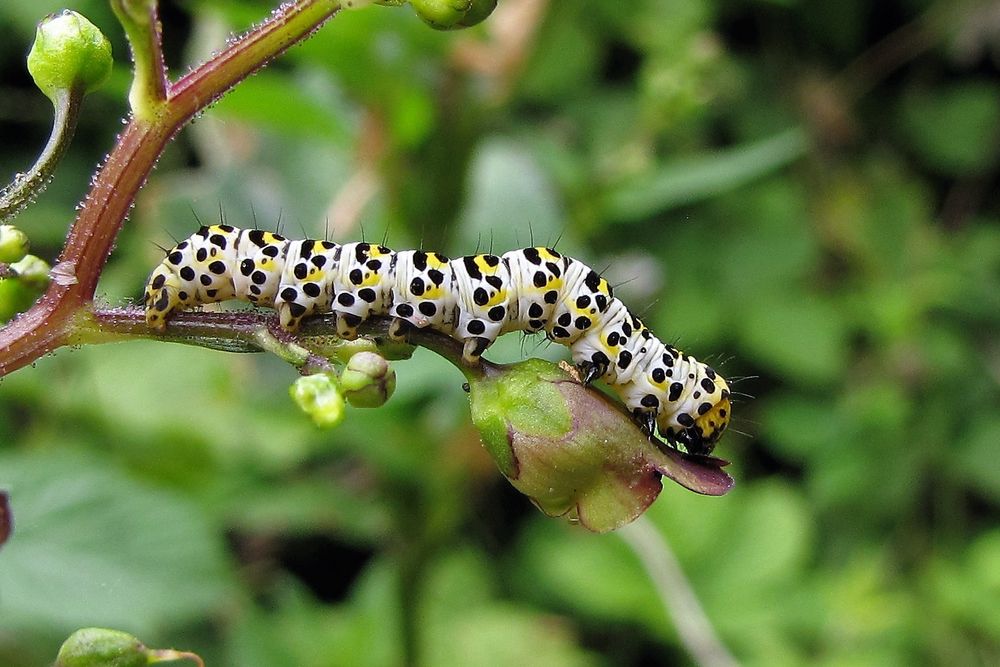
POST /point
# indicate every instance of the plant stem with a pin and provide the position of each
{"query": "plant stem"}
(48, 324)
(26, 187)
(679, 600)
(141, 21)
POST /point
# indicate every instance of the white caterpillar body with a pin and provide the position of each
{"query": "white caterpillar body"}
(474, 299)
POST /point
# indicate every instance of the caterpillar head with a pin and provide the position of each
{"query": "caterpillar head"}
(703, 416)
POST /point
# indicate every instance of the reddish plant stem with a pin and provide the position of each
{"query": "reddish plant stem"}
(48, 324)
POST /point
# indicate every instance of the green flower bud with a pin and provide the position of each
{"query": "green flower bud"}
(15, 297)
(99, 647)
(368, 381)
(441, 14)
(479, 10)
(69, 53)
(32, 271)
(574, 451)
(13, 244)
(319, 397)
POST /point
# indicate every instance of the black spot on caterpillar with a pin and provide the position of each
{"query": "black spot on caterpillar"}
(473, 299)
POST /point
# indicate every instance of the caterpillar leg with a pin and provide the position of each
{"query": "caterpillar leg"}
(593, 369)
(646, 420)
(347, 325)
(399, 329)
(474, 348)
(692, 440)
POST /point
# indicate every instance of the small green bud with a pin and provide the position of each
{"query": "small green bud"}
(478, 12)
(574, 451)
(441, 14)
(368, 381)
(13, 244)
(15, 297)
(32, 271)
(100, 647)
(320, 397)
(69, 53)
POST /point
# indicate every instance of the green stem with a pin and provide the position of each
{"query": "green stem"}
(141, 22)
(680, 602)
(26, 187)
(49, 323)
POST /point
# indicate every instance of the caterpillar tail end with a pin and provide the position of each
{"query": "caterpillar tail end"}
(160, 299)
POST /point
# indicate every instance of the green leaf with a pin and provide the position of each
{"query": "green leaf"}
(279, 102)
(798, 335)
(685, 181)
(954, 128)
(93, 547)
(974, 456)
(463, 625)
(297, 631)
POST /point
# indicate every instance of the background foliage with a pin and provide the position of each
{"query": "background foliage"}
(807, 190)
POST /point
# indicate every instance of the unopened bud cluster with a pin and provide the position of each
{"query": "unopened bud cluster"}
(366, 382)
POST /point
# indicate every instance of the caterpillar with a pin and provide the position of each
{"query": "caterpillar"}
(473, 299)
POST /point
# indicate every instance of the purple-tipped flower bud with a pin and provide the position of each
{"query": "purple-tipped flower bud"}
(69, 53)
(13, 244)
(319, 396)
(368, 380)
(100, 647)
(574, 451)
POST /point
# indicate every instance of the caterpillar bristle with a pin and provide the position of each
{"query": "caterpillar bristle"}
(473, 299)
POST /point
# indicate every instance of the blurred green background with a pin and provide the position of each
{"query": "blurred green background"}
(802, 192)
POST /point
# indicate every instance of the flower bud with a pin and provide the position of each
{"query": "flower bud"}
(319, 397)
(13, 244)
(574, 451)
(69, 53)
(15, 297)
(100, 647)
(479, 10)
(18, 293)
(441, 14)
(368, 380)
(32, 271)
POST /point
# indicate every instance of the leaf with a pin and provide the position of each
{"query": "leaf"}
(463, 624)
(279, 102)
(797, 335)
(954, 128)
(692, 179)
(975, 456)
(93, 547)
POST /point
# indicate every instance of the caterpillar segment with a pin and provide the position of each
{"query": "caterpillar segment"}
(423, 293)
(473, 299)
(360, 285)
